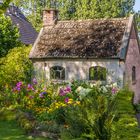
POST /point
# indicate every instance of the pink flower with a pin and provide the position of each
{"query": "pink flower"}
(62, 92)
(30, 87)
(19, 84)
(41, 95)
(68, 89)
(114, 90)
(34, 81)
(44, 88)
(66, 100)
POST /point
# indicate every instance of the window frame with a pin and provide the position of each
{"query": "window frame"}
(59, 73)
(98, 78)
(134, 75)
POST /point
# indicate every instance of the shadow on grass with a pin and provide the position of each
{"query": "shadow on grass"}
(9, 129)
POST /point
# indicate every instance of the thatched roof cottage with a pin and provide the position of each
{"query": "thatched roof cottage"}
(102, 49)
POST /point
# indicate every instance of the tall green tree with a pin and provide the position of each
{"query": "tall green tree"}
(138, 21)
(4, 5)
(15, 67)
(103, 8)
(77, 9)
(33, 10)
(9, 35)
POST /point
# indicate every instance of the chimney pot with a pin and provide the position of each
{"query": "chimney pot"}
(50, 17)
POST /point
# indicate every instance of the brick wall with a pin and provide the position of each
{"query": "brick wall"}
(133, 59)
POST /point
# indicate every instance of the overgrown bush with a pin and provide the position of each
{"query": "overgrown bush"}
(125, 126)
(15, 67)
(86, 110)
(77, 110)
(9, 35)
(93, 118)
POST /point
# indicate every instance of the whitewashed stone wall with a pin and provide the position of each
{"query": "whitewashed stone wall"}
(79, 69)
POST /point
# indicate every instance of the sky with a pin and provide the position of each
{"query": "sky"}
(137, 5)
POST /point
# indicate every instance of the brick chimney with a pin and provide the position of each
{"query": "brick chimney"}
(50, 17)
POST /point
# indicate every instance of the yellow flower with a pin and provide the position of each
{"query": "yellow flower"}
(78, 102)
(50, 110)
(70, 101)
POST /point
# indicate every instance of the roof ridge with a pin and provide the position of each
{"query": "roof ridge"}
(16, 11)
(100, 19)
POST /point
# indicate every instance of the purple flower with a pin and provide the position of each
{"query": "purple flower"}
(66, 100)
(68, 89)
(18, 88)
(30, 87)
(62, 92)
(114, 90)
(19, 84)
(34, 81)
(44, 93)
(41, 95)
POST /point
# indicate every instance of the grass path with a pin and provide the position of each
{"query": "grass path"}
(9, 129)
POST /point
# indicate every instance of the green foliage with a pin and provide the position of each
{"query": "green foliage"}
(9, 35)
(15, 67)
(33, 10)
(137, 15)
(77, 9)
(97, 73)
(93, 118)
(85, 9)
(125, 126)
(78, 111)
(137, 108)
(25, 121)
(4, 6)
(9, 128)
(125, 102)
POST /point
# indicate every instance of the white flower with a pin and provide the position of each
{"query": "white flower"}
(104, 89)
(114, 84)
(107, 86)
(79, 89)
(82, 92)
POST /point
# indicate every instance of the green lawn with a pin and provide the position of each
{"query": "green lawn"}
(9, 129)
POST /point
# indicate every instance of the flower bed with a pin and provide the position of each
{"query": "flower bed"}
(76, 110)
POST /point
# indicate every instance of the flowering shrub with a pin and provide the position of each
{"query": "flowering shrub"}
(41, 99)
(50, 97)
(75, 110)
(15, 66)
(93, 118)
(84, 108)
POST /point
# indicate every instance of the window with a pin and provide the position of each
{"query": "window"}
(133, 74)
(97, 73)
(57, 73)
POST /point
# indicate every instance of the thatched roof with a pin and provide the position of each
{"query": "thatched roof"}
(81, 39)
